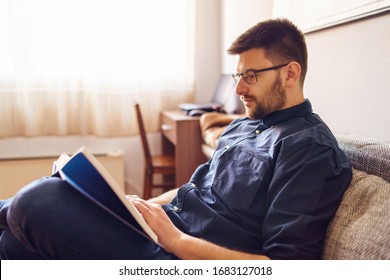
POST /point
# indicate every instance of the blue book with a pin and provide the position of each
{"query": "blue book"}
(86, 174)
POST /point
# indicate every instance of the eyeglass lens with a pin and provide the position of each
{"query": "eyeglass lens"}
(249, 77)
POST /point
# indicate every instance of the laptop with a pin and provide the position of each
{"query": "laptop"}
(224, 100)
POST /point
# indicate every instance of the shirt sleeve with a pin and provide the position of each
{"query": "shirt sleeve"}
(308, 184)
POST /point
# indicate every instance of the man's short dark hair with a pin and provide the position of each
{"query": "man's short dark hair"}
(281, 40)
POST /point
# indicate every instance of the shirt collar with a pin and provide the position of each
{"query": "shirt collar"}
(297, 111)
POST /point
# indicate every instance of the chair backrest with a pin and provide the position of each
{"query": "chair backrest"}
(141, 127)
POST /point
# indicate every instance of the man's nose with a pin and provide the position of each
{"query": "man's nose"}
(241, 87)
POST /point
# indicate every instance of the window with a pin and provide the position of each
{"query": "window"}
(74, 66)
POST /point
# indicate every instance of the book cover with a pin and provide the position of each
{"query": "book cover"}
(86, 174)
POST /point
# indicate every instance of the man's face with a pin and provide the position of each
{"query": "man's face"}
(268, 94)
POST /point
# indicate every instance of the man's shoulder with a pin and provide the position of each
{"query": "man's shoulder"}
(307, 131)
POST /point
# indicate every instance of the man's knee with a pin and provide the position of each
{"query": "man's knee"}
(35, 200)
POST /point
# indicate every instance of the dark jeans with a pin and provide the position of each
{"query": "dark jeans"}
(48, 219)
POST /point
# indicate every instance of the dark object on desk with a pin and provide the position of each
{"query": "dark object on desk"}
(224, 100)
(196, 112)
(164, 164)
(194, 109)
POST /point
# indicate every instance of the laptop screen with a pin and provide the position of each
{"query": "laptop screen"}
(226, 96)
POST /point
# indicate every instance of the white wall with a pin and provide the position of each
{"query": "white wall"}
(349, 74)
(207, 48)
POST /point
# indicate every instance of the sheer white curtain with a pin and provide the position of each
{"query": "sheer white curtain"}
(75, 66)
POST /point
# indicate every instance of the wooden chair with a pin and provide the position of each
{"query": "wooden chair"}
(164, 164)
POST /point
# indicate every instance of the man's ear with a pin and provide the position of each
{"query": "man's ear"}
(292, 73)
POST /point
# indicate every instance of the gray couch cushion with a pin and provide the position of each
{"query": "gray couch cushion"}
(361, 226)
(367, 154)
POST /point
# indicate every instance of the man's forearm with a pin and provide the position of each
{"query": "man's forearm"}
(164, 198)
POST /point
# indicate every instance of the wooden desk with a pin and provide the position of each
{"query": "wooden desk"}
(181, 136)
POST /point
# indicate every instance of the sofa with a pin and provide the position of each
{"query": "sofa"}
(360, 229)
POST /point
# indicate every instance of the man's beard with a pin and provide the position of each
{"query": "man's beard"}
(272, 102)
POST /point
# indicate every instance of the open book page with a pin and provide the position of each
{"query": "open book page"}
(60, 162)
(86, 174)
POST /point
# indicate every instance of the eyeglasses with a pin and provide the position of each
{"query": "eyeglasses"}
(250, 76)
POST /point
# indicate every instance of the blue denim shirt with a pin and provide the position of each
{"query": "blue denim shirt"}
(271, 187)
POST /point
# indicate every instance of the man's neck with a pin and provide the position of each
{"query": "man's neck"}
(294, 98)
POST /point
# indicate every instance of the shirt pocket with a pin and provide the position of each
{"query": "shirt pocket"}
(241, 179)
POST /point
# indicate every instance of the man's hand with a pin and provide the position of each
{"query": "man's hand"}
(153, 213)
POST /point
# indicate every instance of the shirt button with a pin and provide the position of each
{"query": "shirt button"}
(258, 131)
(175, 208)
(227, 147)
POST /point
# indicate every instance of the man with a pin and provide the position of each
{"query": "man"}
(269, 192)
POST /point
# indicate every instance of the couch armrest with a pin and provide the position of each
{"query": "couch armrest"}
(367, 154)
